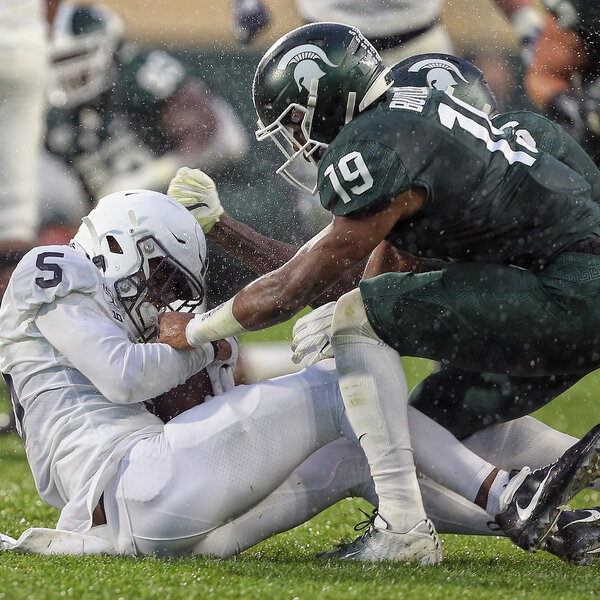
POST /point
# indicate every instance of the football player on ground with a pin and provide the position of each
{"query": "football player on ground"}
(126, 482)
(121, 117)
(564, 77)
(421, 171)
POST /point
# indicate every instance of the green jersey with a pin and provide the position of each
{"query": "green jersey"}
(120, 131)
(491, 195)
(552, 138)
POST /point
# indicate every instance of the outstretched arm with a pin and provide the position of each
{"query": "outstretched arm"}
(263, 254)
(280, 294)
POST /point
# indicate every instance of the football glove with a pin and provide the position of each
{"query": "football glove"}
(312, 336)
(195, 190)
(221, 371)
(249, 18)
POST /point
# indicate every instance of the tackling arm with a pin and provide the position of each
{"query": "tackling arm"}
(263, 254)
(276, 296)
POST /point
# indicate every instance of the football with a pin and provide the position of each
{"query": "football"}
(183, 397)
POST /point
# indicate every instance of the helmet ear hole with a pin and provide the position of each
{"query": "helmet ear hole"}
(114, 245)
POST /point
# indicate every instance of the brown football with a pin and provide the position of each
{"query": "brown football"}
(184, 396)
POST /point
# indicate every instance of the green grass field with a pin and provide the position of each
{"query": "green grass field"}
(283, 567)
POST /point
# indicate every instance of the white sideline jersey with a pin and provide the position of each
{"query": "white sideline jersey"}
(77, 379)
(374, 18)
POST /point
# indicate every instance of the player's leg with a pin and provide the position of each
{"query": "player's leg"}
(338, 470)
(217, 460)
(454, 315)
(473, 316)
(373, 386)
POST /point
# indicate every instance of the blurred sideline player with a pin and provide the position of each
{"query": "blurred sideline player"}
(23, 73)
(120, 117)
(396, 28)
(126, 482)
(23, 70)
(564, 77)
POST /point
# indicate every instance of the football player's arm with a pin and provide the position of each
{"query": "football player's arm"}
(123, 371)
(557, 55)
(277, 296)
(263, 254)
(527, 23)
(387, 259)
(202, 128)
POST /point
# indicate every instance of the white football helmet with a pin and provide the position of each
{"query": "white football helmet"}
(83, 44)
(152, 253)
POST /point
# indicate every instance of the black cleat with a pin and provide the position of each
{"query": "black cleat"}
(533, 500)
(577, 538)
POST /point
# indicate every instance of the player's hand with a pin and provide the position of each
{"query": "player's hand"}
(171, 329)
(221, 371)
(312, 335)
(195, 190)
(249, 18)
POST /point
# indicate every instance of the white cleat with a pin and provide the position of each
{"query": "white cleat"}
(421, 545)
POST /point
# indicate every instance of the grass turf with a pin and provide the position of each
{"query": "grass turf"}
(284, 566)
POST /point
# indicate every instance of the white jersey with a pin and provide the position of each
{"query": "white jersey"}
(22, 22)
(77, 379)
(375, 18)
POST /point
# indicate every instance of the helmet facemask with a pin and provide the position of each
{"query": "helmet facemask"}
(302, 156)
(162, 284)
(152, 255)
(83, 47)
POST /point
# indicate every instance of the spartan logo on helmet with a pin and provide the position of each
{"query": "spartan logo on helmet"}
(306, 68)
(440, 73)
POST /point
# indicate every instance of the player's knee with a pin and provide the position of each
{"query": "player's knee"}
(350, 317)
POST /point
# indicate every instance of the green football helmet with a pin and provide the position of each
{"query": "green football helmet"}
(316, 78)
(446, 72)
(83, 43)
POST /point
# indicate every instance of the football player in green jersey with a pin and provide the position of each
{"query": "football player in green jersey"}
(424, 172)
(121, 117)
(564, 76)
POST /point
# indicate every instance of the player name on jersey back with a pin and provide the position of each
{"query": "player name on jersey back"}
(410, 98)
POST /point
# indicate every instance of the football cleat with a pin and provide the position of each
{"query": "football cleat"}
(533, 500)
(577, 538)
(420, 545)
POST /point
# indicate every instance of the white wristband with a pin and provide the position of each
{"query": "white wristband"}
(216, 324)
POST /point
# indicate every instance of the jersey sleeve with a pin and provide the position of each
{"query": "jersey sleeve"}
(149, 78)
(48, 273)
(123, 371)
(360, 176)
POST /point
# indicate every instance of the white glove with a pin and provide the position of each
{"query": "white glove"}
(312, 335)
(195, 190)
(221, 371)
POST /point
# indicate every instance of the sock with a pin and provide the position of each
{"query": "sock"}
(498, 486)
(375, 394)
(441, 457)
